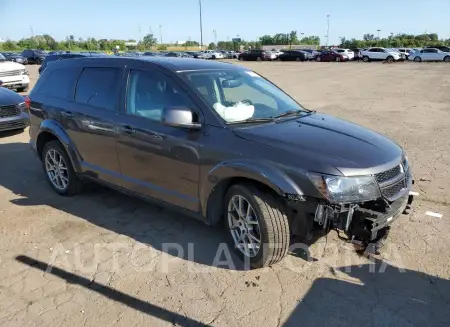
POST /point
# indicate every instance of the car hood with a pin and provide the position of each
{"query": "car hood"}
(325, 143)
(8, 97)
(7, 66)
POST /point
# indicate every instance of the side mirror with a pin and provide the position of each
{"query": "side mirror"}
(179, 117)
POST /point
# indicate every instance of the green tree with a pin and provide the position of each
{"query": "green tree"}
(212, 46)
(149, 41)
(191, 44)
(162, 47)
(9, 45)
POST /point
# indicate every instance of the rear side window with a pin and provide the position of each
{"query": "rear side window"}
(98, 87)
(59, 83)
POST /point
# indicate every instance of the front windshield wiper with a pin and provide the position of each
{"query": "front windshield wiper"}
(252, 120)
(293, 113)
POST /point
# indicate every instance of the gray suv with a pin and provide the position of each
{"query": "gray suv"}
(219, 143)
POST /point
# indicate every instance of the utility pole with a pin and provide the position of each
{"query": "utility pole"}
(140, 33)
(378, 34)
(328, 29)
(160, 34)
(32, 31)
(201, 24)
(215, 36)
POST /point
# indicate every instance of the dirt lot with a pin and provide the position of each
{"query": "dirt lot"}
(112, 267)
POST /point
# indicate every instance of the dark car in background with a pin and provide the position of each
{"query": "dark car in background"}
(13, 113)
(218, 142)
(443, 48)
(151, 54)
(330, 55)
(256, 55)
(15, 57)
(292, 55)
(34, 56)
(63, 56)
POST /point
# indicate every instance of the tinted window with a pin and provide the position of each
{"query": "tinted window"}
(59, 83)
(149, 93)
(98, 87)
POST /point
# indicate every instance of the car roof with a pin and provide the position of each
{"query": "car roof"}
(171, 63)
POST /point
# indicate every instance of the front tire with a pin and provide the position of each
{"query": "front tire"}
(58, 169)
(417, 59)
(258, 227)
(241, 58)
(366, 59)
(447, 59)
(390, 59)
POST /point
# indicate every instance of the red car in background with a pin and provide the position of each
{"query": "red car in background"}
(328, 55)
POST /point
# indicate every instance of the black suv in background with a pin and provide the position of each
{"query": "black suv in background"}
(440, 47)
(290, 55)
(34, 56)
(63, 56)
(220, 143)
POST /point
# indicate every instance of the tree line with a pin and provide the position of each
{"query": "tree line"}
(150, 42)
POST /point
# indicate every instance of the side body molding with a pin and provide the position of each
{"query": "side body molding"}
(249, 169)
(53, 127)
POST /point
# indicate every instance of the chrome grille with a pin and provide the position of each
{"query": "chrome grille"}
(10, 73)
(393, 181)
(392, 190)
(388, 174)
(9, 111)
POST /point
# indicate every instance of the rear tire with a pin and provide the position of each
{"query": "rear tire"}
(338, 59)
(74, 185)
(268, 220)
(241, 58)
(366, 59)
(447, 59)
(318, 59)
(417, 59)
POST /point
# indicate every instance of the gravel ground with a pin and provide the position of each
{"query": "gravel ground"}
(111, 266)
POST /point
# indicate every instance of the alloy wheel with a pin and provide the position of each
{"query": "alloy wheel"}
(244, 226)
(56, 169)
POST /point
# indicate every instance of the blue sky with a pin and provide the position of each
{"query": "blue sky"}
(246, 18)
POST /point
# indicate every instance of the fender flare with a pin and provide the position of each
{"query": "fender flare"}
(251, 169)
(53, 127)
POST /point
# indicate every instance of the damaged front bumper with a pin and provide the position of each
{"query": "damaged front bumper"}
(363, 222)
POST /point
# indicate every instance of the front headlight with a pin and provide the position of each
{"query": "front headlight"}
(23, 72)
(339, 189)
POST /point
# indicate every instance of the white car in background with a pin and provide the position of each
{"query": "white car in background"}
(377, 53)
(429, 54)
(212, 54)
(346, 52)
(13, 75)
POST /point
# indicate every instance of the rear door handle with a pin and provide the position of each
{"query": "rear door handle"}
(67, 114)
(128, 129)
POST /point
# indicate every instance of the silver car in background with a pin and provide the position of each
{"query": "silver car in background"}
(429, 54)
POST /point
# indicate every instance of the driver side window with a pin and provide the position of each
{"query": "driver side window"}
(149, 93)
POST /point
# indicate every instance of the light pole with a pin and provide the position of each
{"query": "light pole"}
(201, 24)
(160, 34)
(378, 34)
(215, 36)
(328, 28)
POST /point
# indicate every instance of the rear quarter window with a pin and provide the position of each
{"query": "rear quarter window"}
(57, 83)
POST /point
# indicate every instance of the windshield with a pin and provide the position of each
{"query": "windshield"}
(241, 95)
(2, 57)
